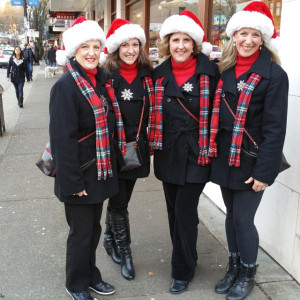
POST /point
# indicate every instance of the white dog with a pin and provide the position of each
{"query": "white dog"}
(49, 71)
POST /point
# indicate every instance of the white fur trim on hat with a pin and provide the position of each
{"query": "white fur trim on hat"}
(61, 58)
(78, 34)
(183, 24)
(206, 48)
(123, 34)
(251, 19)
(275, 44)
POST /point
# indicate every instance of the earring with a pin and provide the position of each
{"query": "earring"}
(234, 44)
(260, 47)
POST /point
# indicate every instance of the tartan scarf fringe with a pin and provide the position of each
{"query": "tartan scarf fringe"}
(104, 169)
(155, 134)
(239, 122)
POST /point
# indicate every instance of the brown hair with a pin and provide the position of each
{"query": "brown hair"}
(229, 56)
(164, 46)
(113, 61)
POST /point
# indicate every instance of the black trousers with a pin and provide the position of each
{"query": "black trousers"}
(83, 239)
(242, 235)
(182, 203)
(119, 202)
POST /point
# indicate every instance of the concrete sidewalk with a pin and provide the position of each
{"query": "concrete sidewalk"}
(33, 230)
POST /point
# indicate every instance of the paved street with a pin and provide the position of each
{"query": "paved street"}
(33, 229)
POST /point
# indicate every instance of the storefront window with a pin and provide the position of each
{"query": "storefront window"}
(224, 9)
(135, 12)
(160, 10)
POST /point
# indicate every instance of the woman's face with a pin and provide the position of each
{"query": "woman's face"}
(247, 41)
(181, 47)
(17, 51)
(88, 54)
(129, 51)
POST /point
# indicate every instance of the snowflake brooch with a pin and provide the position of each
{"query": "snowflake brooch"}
(188, 87)
(240, 85)
(127, 95)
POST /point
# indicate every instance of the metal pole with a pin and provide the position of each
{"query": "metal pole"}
(25, 19)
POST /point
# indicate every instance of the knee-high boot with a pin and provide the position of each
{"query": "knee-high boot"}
(21, 101)
(243, 284)
(109, 242)
(121, 231)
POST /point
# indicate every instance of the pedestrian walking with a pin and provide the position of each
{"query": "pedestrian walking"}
(129, 70)
(45, 55)
(16, 72)
(82, 122)
(184, 89)
(52, 57)
(30, 58)
(250, 108)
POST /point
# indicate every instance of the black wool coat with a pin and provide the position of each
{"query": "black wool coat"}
(177, 162)
(130, 98)
(16, 72)
(265, 121)
(71, 118)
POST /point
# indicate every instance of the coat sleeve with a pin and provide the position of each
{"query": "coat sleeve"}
(9, 68)
(64, 108)
(274, 121)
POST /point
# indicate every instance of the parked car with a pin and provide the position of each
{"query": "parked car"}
(5, 55)
(154, 55)
(216, 54)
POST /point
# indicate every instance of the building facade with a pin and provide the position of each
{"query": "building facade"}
(278, 217)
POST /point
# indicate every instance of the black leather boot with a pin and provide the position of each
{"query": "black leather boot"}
(243, 284)
(109, 241)
(21, 102)
(121, 231)
(223, 286)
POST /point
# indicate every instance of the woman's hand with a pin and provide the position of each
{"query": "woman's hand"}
(258, 186)
(80, 194)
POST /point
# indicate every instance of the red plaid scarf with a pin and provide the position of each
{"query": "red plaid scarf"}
(104, 168)
(239, 122)
(156, 119)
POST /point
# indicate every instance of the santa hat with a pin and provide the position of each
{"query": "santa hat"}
(255, 15)
(81, 31)
(187, 23)
(121, 31)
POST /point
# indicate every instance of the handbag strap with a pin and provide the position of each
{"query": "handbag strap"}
(183, 106)
(85, 137)
(248, 134)
(141, 119)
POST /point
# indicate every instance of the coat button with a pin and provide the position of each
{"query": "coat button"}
(186, 123)
(170, 124)
(169, 146)
(169, 100)
(185, 146)
(190, 100)
(223, 95)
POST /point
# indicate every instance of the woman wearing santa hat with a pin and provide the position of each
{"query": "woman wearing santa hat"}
(178, 133)
(130, 76)
(82, 121)
(247, 134)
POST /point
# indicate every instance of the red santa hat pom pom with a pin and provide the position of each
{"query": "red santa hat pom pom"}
(187, 23)
(121, 31)
(81, 31)
(255, 15)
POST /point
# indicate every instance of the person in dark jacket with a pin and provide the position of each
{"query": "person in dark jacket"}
(79, 106)
(130, 71)
(184, 89)
(52, 57)
(16, 72)
(247, 135)
(30, 58)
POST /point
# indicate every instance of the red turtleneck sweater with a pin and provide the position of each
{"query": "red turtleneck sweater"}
(182, 72)
(243, 64)
(129, 72)
(91, 75)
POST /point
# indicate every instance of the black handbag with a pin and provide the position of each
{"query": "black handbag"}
(283, 164)
(133, 159)
(46, 164)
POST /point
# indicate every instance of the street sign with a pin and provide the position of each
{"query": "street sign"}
(16, 2)
(33, 2)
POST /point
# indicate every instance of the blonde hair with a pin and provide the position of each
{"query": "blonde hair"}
(113, 61)
(230, 54)
(164, 46)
